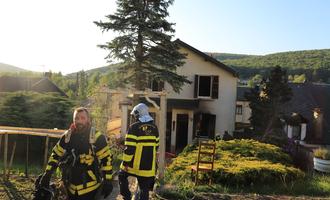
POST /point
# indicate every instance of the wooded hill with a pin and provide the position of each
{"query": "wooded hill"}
(315, 64)
(10, 68)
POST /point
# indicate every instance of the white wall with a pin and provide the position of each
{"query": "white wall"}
(224, 106)
(303, 131)
(246, 112)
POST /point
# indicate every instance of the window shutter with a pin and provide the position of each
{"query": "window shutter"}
(196, 86)
(215, 87)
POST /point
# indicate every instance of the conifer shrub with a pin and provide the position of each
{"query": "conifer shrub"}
(238, 162)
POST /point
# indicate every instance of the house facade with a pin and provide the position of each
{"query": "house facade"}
(306, 116)
(204, 108)
(243, 110)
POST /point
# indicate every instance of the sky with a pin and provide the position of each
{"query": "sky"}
(43, 35)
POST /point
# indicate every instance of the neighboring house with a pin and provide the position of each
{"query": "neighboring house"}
(307, 115)
(243, 110)
(204, 108)
(41, 84)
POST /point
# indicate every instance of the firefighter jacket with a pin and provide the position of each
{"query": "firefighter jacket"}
(142, 141)
(91, 161)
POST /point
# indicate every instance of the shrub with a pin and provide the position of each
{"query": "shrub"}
(322, 153)
(238, 162)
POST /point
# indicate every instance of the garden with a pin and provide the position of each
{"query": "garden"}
(243, 167)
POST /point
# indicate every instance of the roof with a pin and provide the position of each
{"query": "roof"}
(296, 119)
(207, 57)
(37, 84)
(241, 93)
(306, 98)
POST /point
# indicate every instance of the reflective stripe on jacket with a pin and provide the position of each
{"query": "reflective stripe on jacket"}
(142, 141)
(86, 174)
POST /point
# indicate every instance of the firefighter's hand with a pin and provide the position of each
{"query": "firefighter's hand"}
(107, 188)
(45, 180)
(72, 127)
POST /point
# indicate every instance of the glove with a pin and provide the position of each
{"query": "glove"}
(45, 180)
(106, 188)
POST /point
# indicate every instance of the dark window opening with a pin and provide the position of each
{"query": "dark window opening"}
(204, 89)
(239, 109)
(156, 86)
(206, 86)
(205, 125)
(296, 130)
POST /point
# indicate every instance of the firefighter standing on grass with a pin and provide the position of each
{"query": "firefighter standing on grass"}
(87, 155)
(139, 157)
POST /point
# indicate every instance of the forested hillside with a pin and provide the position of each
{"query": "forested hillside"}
(228, 56)
(4, 68)
(315, 64)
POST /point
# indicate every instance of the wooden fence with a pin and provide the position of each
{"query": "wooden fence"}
(7, 130)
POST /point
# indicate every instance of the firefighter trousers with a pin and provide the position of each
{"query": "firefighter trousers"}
(145, 184)
(88, 196)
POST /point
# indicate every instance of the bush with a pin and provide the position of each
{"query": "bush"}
(35, 110)
(322, 153)
(238, 162)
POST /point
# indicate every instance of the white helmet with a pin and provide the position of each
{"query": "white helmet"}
(140, 112)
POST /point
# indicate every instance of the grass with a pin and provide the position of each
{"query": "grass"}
(313, 185)
(18, 186)
(18, 168)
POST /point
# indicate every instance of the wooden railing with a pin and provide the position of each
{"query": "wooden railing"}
(8, 130)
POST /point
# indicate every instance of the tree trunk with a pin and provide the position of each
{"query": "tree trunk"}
(269, 128)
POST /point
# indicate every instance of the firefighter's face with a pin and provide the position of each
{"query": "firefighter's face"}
(81, 120)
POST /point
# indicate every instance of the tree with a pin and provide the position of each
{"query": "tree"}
(36, 110)
(82, 85)
(255, 80)
(267, 100)
(256, 106)
(13, 110)
(112, 80)
(299, 78)
(144, 43)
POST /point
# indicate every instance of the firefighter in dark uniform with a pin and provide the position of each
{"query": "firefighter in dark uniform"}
(89, 171)
(139, 159)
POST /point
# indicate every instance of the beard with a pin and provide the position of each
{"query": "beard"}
(82, 127)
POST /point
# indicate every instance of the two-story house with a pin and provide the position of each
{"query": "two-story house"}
(306, 116)
(204, 108)
(243, 110)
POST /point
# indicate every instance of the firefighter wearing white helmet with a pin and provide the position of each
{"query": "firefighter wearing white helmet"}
(139, 159)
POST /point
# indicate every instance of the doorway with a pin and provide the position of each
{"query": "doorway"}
(181, 132)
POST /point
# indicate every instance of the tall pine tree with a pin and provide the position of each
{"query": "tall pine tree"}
(144, 43)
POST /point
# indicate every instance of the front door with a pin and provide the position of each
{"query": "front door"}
(181, 132)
